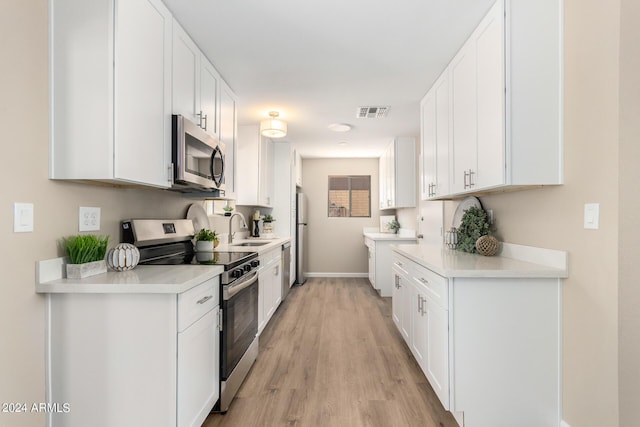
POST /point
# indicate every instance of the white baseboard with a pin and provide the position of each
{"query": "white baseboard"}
(563, 423)
(337, 275)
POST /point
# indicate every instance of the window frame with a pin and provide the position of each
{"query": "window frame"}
(350, 191)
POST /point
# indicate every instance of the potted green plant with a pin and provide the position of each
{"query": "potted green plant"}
(86, 254)
(393, 225)
(475, 224)
(227, 210)
(206, 240)
(267, 223)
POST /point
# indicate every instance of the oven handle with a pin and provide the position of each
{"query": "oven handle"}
(229, 291)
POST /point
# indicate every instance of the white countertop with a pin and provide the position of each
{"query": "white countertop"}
(148, 279)
(236, 246)
(388, 236)
(521, 262)
(144, 278)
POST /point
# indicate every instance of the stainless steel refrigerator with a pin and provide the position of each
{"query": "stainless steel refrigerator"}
(301, 236)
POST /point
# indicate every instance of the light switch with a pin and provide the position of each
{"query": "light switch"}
(89, 219)
(23, 217)
(592, 216)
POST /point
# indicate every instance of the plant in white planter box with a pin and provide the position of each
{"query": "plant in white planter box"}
(206, 240)
(86, 254)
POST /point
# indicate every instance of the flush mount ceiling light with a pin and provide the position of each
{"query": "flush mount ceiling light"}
(339, 127)
(273, 127)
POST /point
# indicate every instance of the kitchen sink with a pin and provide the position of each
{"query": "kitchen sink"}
(250, 244)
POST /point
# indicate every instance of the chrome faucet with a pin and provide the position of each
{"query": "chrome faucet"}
(231, 233)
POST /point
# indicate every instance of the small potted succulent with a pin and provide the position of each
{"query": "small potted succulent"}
(393, 225)
(267, 223)
(206, 240)
(86, 253)
(227, 210)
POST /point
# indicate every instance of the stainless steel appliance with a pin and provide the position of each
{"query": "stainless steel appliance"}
(168, 242)
(198, 158)
(286, 269)
(301, 232)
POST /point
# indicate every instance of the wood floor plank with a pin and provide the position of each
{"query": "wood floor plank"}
(331, 356)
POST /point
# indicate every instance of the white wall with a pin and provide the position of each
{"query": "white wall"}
(336, 245)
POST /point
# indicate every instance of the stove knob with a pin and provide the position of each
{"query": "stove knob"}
(255, 263)
(247, 268)
(237, 273)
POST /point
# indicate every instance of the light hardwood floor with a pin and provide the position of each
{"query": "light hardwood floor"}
(331, 356)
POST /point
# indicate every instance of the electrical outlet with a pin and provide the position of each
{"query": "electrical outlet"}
(89, 219)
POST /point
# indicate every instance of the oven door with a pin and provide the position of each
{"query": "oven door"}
(239, 321)
(197, 157)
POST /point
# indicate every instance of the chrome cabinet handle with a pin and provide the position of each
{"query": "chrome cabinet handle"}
(205, 299)
(203, 118)
(419, 304)
(471, 173)
(397, 282)
(466, 175)
(423, 280)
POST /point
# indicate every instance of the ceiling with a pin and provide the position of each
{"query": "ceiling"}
(317, 61)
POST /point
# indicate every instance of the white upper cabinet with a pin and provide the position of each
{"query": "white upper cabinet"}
(228, 135)
(110, 106)
(504, 106)
(434, 153)
(196, 83)
(254, 163)
(297, 164)
(397, 174)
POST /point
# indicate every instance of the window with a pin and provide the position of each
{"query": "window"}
(350, 196)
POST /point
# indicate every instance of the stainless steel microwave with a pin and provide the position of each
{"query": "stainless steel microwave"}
(198, 158)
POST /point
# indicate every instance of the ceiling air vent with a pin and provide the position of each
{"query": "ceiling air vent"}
(372, 112)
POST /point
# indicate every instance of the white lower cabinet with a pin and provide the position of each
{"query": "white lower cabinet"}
(269, 286)
(379, 259)
(489, 346)
(134, 359)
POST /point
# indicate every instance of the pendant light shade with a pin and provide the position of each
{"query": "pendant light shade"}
(273, 127)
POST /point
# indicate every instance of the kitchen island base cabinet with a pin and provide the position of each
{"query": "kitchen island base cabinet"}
(122, 359)
(489, 346)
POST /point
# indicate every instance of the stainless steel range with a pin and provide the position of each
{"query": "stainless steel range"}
(168, 242)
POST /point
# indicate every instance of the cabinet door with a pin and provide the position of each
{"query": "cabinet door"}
(198, 369)
(298, 168)
(265, 183)
(391, 175)
(428, 151)
(436, 368)
(372, 266)
(186, 75)
(227, 134)
(264, 280)
(382, 180)
(443, 125)
(418, 325)
(276, 287)
(463, 97)
(209, 95)
(396, 301)
(491, 99)
(142, 91)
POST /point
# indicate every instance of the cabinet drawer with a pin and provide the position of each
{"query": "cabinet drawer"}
(400, 264)
(437, 287)
(197, 301)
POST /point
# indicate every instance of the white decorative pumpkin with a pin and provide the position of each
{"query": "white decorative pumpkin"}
(123, 257)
